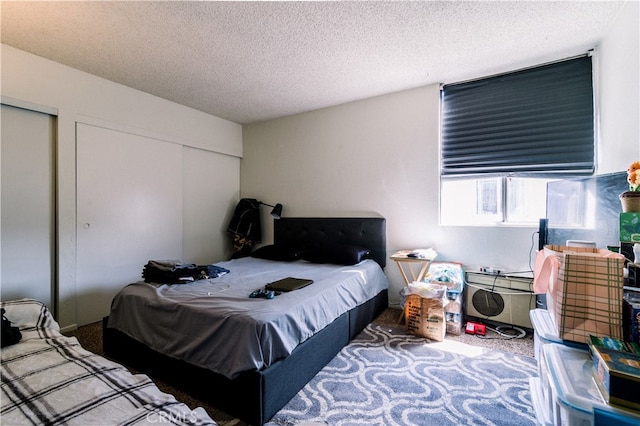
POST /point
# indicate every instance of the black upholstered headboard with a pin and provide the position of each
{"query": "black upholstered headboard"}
(315, 232)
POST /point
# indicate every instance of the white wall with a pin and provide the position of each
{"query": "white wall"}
(619, 92)
(80, 97)
(379, 157)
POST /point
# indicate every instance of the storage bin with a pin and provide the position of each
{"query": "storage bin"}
(540, 406)
(545, 332)
(575, 398)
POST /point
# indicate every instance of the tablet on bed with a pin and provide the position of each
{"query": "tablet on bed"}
(288, 284)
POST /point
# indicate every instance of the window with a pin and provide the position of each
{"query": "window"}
(505, 137)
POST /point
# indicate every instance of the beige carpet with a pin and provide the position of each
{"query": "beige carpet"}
(90, 336)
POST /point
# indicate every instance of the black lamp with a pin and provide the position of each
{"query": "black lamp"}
(277, 210)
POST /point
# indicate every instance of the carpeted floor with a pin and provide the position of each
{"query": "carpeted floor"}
(90, 336)
(492, 340)
(384, 377)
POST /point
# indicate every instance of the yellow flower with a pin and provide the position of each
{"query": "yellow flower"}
(633, 176)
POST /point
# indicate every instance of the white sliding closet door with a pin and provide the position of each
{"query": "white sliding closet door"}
(129, 210)
(27, 227)
(211, 182)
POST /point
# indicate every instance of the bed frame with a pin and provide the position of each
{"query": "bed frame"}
(255, 396)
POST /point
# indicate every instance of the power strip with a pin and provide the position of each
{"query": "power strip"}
(490, 270)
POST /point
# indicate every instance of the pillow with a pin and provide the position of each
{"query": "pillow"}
(277, 252)
(340, 254)
(29, 313)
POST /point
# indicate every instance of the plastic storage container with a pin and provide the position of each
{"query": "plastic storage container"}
(540, 405)
(545, 331)
(573, 398)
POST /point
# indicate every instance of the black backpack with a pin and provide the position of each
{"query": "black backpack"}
(10, 334)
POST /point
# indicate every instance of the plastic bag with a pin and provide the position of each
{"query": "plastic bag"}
(424, 310)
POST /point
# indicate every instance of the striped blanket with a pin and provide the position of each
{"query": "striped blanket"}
(48, 378)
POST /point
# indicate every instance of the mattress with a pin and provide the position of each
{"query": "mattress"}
(48, 378)
(214, 324)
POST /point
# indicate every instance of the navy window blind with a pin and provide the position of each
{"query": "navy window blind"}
(537, 122)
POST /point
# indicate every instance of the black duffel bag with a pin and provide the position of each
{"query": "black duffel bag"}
(10, 334)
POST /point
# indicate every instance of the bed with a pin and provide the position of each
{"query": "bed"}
(250, 356)
(48, 378)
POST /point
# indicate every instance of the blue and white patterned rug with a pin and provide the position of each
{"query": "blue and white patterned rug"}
(386, 377)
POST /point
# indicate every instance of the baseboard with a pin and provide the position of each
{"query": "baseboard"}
(72, 327)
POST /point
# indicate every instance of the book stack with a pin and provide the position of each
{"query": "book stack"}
(616, 370)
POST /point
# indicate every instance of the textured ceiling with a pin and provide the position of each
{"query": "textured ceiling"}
(252, 61)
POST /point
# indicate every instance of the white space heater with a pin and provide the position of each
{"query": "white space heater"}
(499, 298)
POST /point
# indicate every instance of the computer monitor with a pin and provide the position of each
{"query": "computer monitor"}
(586, 209)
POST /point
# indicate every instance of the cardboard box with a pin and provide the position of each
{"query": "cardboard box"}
(630, 227)
(617, 375)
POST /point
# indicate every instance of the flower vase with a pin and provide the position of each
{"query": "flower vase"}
(630, 201)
